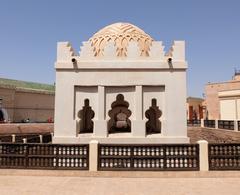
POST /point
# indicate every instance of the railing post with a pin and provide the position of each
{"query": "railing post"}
(24, 140)
(52, 134)
(13, 138)
(203, 155)
(235, 125)
(202, 123)
(93, 155)
(216, 124)
(41, 139)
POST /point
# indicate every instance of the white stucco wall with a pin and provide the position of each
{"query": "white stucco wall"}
(171, 98)
(139, 79)
(228, 109)
(229, 104)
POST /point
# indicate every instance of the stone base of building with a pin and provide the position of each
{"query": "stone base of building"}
(122, 139)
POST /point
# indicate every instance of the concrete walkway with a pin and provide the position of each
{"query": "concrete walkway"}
(118, 183)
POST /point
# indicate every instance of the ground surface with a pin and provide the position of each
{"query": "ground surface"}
(213, 135)
(118, 183)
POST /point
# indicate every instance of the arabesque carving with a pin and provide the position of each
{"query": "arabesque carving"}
(121, 34)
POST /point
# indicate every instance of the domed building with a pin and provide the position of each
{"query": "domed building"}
(121, 88)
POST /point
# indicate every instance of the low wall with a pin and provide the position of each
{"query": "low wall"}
(26, 128)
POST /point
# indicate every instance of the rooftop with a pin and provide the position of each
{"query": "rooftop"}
(194, 98)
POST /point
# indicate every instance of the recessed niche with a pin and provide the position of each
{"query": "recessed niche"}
(86, 114)
(119, 116)
(153, 125)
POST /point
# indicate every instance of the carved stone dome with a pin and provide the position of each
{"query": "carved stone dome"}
(121, 34)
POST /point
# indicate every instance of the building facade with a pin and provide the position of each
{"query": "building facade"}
(195, 108)
(22, 101)
(223, 99)
(122, 88)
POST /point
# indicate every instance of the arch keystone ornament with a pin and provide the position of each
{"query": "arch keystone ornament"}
(120, 88)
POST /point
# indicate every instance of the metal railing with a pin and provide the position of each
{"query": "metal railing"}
(220, 124)
(195, 123)
(44, 156)
(224, 156)
(30, 138)
(226, 124)
(165, 157)
(209, 123)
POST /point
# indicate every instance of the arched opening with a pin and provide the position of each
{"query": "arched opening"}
(1, 116)
(86, 115)
(153, 125)
(119, 116)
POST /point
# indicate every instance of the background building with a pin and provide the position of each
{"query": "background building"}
(22, 100)
(195, 108)
(223, 99)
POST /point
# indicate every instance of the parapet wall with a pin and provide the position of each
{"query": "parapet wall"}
(65, 54)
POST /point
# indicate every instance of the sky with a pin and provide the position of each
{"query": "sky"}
(30, 30)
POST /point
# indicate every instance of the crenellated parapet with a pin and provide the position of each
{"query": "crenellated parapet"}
(122, 42)
(177, 51)
(65, 52)
(86, 51)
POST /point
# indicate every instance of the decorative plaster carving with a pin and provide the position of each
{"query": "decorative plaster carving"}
(121, 34)
(133, 51)
(110, 50)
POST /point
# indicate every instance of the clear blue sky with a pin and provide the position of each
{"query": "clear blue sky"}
(30, 30)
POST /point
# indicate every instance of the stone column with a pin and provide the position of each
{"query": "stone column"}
(100, 124)
(175, 101)
(216, 124)
(138, 125)
(203, 155)
(40, 139)
(13, 138)
(65, 124)
(202, 123)
(235, 125)
(93, 155)
(24, 140)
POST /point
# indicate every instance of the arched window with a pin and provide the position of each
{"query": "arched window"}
(119, 116)
(86, 115)
(153, 114)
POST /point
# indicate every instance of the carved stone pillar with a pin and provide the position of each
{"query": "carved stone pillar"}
(138, 125)
(100, 124)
